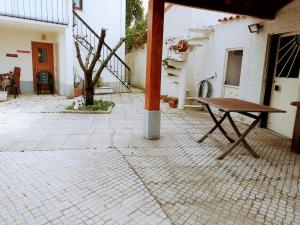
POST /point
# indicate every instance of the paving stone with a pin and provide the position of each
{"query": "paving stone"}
(98, 169)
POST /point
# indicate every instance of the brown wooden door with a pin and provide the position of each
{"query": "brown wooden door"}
(42, 59)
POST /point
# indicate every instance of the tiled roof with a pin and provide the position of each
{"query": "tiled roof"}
(230, 18)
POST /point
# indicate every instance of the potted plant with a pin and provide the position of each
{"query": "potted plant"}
(164, 98)
(78, 85)
(173, 102)
(182, 46)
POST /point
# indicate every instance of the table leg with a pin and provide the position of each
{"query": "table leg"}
(241, 138)
(219, 124)
(248, 147)
(214, 128)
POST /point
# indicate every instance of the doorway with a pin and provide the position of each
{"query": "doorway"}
(42, 60)
(233, 73)
(286, 84)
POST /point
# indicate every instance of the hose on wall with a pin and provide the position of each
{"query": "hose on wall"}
(206, 85)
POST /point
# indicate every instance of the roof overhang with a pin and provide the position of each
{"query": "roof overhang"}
(264, 9)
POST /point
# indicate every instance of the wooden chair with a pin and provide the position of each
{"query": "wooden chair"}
(17, 77)
(14, 82)
(44, 79)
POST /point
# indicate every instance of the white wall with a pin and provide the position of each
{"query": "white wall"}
(177, 24)
(203, 62)
(15, 39)
(19, 36)
(137, 63)
(105, 14)
(111, 16)
(65, 57)
(236, 35)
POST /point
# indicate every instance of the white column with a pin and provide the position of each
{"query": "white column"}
(66, 57)
(151, 125)
(69, 61)
(182, 87)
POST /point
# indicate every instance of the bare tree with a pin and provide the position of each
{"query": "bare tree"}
(88, 67)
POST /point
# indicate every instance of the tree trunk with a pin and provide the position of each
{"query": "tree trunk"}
(89, 89)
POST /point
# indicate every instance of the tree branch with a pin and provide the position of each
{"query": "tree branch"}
(98, 52)
(78, 55)
(104, 63)
(87, 59)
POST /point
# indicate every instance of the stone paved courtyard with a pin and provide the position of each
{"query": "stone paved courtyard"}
(72, 169)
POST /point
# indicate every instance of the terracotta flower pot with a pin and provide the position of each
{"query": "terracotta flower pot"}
(173, 103)
(164, 98)
(182, 46)
(77, 92)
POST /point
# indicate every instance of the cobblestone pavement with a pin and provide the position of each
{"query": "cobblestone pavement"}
(98, 169)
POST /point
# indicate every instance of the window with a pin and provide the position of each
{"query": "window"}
(42, 55)
(288, 57)
(234, 66)
(78, 4)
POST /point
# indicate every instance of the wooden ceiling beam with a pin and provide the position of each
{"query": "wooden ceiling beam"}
(262, 9)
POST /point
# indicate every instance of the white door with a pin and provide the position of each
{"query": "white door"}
(286, 84)
(233, 73)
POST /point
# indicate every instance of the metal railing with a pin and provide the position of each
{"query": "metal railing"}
(89, 39)
(50, 11)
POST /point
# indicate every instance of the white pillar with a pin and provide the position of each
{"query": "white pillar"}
(69, 61)
(182, 87)
(151, 125)
(66, 57)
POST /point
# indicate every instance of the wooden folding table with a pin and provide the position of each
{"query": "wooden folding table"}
(295, 147)
(232, 105)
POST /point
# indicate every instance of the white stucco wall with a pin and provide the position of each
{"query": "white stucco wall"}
(235, 35)
(105, 14)
(111, 16)
(178, 22)
(255, 46)
(137, 63)
(98, 14)
(204, 61)
(18, 35)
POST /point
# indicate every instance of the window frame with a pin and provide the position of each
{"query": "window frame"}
(279, 69)
(227, 55)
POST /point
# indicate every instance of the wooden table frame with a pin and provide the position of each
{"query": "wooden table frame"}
(295, 147)
(240, 135)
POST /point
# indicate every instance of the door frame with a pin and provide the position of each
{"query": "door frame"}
(34, 58)
(271, 64)
(273, 46)
(227, 50)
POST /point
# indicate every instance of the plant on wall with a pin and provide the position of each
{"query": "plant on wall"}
(134, 12)
(136, 36)
(136, 25)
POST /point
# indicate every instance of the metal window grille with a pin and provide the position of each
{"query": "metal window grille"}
(234, 66)
(288, 57)
(50, 11)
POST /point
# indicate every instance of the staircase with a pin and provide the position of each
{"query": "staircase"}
(88, 39)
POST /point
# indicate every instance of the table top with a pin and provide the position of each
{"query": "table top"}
(237, 105)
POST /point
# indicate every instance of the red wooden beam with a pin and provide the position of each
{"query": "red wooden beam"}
(154, 54)
(266, 9)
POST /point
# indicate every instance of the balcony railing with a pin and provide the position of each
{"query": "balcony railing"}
(50, 11)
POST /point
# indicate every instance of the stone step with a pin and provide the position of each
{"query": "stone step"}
(194, 106)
